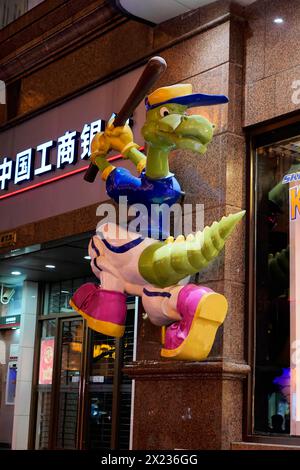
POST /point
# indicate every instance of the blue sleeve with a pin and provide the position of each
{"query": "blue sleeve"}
(121, 182)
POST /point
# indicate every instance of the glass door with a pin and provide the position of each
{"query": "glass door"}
(81, 398)
(59, 383)
(100, 383)
(108, 391)
(70, 375)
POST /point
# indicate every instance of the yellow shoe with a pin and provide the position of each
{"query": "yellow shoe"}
(191, 338)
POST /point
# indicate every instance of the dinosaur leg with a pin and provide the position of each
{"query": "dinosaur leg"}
(160, 304)
(104, 307)
(104, 310)
(202, 312)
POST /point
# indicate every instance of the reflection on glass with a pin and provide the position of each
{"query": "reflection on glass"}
(272, 368)
(101, 376)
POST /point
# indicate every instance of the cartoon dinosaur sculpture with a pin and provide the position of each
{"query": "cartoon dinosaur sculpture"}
(134, 263)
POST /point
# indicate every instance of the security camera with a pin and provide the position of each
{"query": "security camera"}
(6, 295)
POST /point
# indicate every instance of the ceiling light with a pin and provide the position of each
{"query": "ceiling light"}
(50, 266)
(16, 273)
(278, 20)
(65, 292)
(87, 257)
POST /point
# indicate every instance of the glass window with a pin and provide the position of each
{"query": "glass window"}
(58, 295)
(277, 276)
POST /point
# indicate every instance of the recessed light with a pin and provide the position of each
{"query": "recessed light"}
(50, 266)
(87, 257)
(278, 20)
(16, 273)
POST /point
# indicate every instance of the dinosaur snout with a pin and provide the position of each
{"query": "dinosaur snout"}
(196, 127)
(177, 130)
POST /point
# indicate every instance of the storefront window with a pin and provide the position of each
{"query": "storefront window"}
(277, 293)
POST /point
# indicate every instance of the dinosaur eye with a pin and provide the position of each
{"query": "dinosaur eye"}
(164, 111)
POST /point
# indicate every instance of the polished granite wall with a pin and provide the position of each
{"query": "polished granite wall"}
(178, 405)
(272, 60)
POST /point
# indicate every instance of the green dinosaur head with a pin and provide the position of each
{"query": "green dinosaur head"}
(169, 127)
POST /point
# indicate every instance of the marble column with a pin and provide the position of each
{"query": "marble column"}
(25, 366)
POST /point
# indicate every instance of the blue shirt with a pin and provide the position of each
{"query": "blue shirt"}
(143, 190)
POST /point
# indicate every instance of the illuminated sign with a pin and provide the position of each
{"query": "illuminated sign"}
(294, 202)
(295, 327)
(291, 177)
(294, 191)
(10, 321)
(34, 162)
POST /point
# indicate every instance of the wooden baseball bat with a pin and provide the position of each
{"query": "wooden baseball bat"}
(153, 70)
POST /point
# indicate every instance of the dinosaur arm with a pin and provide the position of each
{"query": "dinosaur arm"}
(133, 154)
(104, 166)
(137, 158)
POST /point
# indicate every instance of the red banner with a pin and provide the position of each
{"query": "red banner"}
(46, 361)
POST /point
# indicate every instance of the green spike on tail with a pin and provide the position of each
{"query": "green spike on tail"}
(166, 263)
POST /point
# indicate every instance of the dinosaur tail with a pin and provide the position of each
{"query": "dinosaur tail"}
(166, 263)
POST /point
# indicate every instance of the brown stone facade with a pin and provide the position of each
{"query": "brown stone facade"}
(272, 60)
(204, 400)
(219, 48)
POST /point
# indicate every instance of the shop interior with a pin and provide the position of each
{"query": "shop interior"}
(272, 385)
